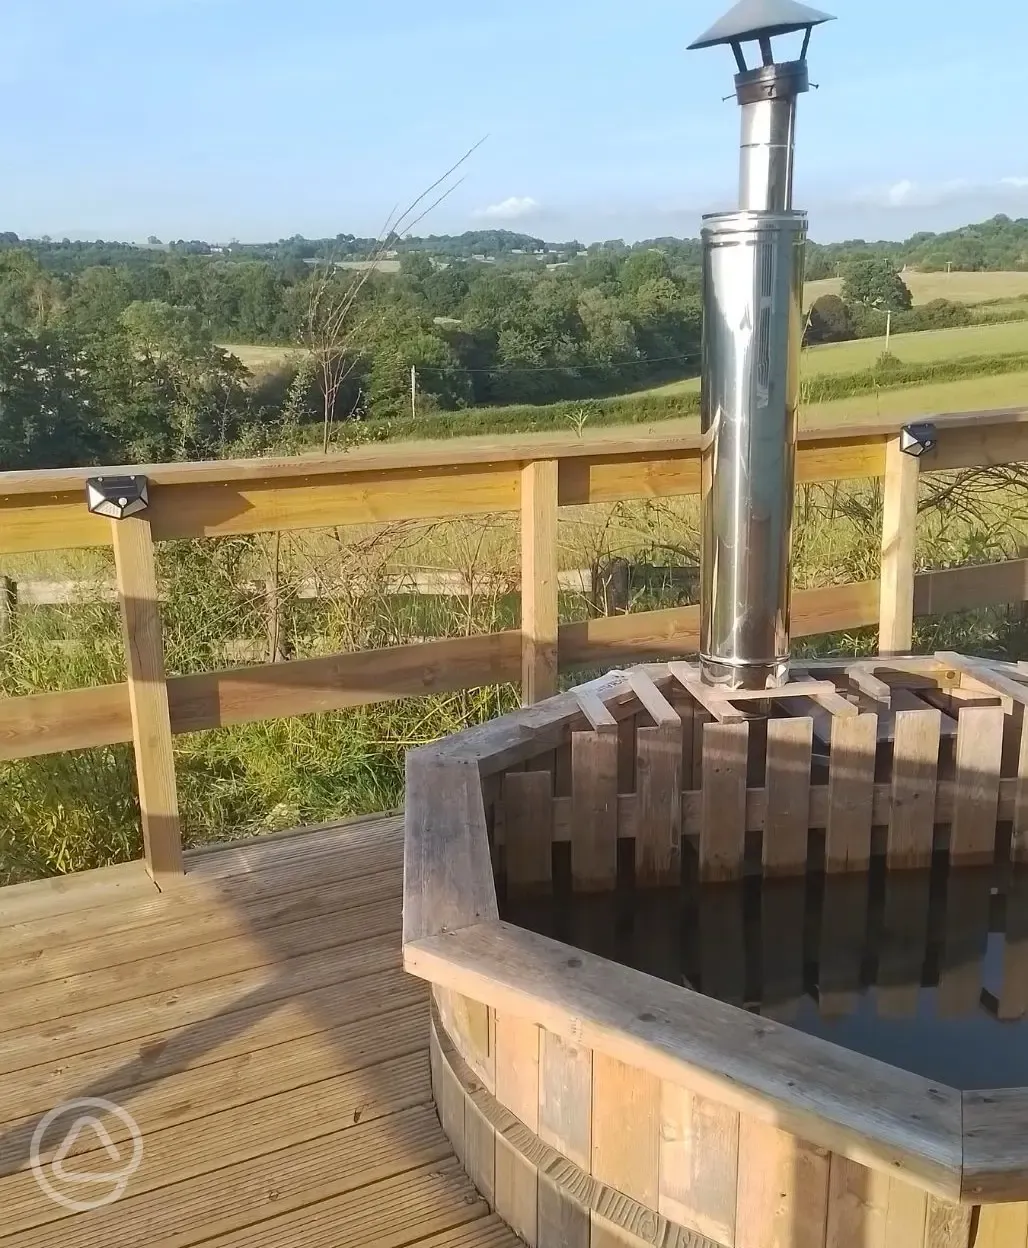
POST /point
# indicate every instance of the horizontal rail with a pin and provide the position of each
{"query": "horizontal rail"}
(47, 723)
(45, 510)
(441, 584)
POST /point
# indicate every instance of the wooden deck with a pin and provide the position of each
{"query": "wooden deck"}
(255, 1022)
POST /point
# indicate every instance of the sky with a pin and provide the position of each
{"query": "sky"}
(258, 119)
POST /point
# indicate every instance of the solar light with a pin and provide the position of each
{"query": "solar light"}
(917, 440)
(117, 497)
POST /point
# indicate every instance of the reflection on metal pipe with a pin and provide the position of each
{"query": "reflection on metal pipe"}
(752, 328)
(768, 100)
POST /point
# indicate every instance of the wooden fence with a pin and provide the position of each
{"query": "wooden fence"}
(533, 476)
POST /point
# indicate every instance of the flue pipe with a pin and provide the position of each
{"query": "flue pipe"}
(752, 332)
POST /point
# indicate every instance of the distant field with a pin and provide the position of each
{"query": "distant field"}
(259, 359)
(960, 287)
(930, 346)
(974, 394)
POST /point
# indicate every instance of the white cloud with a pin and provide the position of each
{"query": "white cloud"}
(515, 208)
(908, 194)
(899, 193)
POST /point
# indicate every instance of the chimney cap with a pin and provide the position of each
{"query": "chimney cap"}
(753, 19)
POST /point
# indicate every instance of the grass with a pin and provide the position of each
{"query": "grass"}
(969, 395)
(960, 287)
(260, 359)
(928, 347)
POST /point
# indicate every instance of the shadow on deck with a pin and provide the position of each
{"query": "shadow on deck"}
(256, 1023)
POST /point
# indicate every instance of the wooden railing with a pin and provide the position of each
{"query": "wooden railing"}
(533, 476)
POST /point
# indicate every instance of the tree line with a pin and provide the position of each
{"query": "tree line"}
(120, 361)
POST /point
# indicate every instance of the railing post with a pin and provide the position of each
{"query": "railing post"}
(899, 541)
(538, 581)
(124, 499)
(8, 605)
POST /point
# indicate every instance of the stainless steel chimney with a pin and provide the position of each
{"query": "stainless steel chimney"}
(752, 331)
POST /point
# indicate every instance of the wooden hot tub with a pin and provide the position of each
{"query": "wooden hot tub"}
(596, 1104)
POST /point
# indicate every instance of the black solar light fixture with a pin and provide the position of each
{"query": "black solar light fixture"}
(117, 497)
(753, 261)
(918, 439)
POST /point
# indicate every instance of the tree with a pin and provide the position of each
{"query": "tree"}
(829, 321)
(49, 413)
(876, 283)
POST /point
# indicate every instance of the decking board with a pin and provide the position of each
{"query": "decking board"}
(254, 1020)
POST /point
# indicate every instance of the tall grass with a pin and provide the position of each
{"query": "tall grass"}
(238, 600)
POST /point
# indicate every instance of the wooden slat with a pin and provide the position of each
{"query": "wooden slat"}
(995, 1163)
(851, 793)
(787, 819)
(517, 1067)
(979, 585)
(599, 717)
(565, 1097)
(723, 827)
(594, 832)
(861, 676)
(48, 899)
(143, 636)
(899, 542)
(783, 1189)
(539, 581)
(906, 1216)
(470, 1026)
(714, 701)
(282, 1128)
(948, 1225)
(528, 831)
(652, 700)
(43, 510)
(675, 632)
(47, 723)
(858, 1206)
(626, 1118)
(480, 1150)
(517, 1191)
(1002, 1226)
(448, 877)
(979, 754)
(658, 831)
(563, 1222)
(56, 953)
(699, 1162)
(979, 676)
(1019, 818)
(915, 769)
(38, 1002)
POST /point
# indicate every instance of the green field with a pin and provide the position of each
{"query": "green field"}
(261, 358)
(930, 346)
(960, 287)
